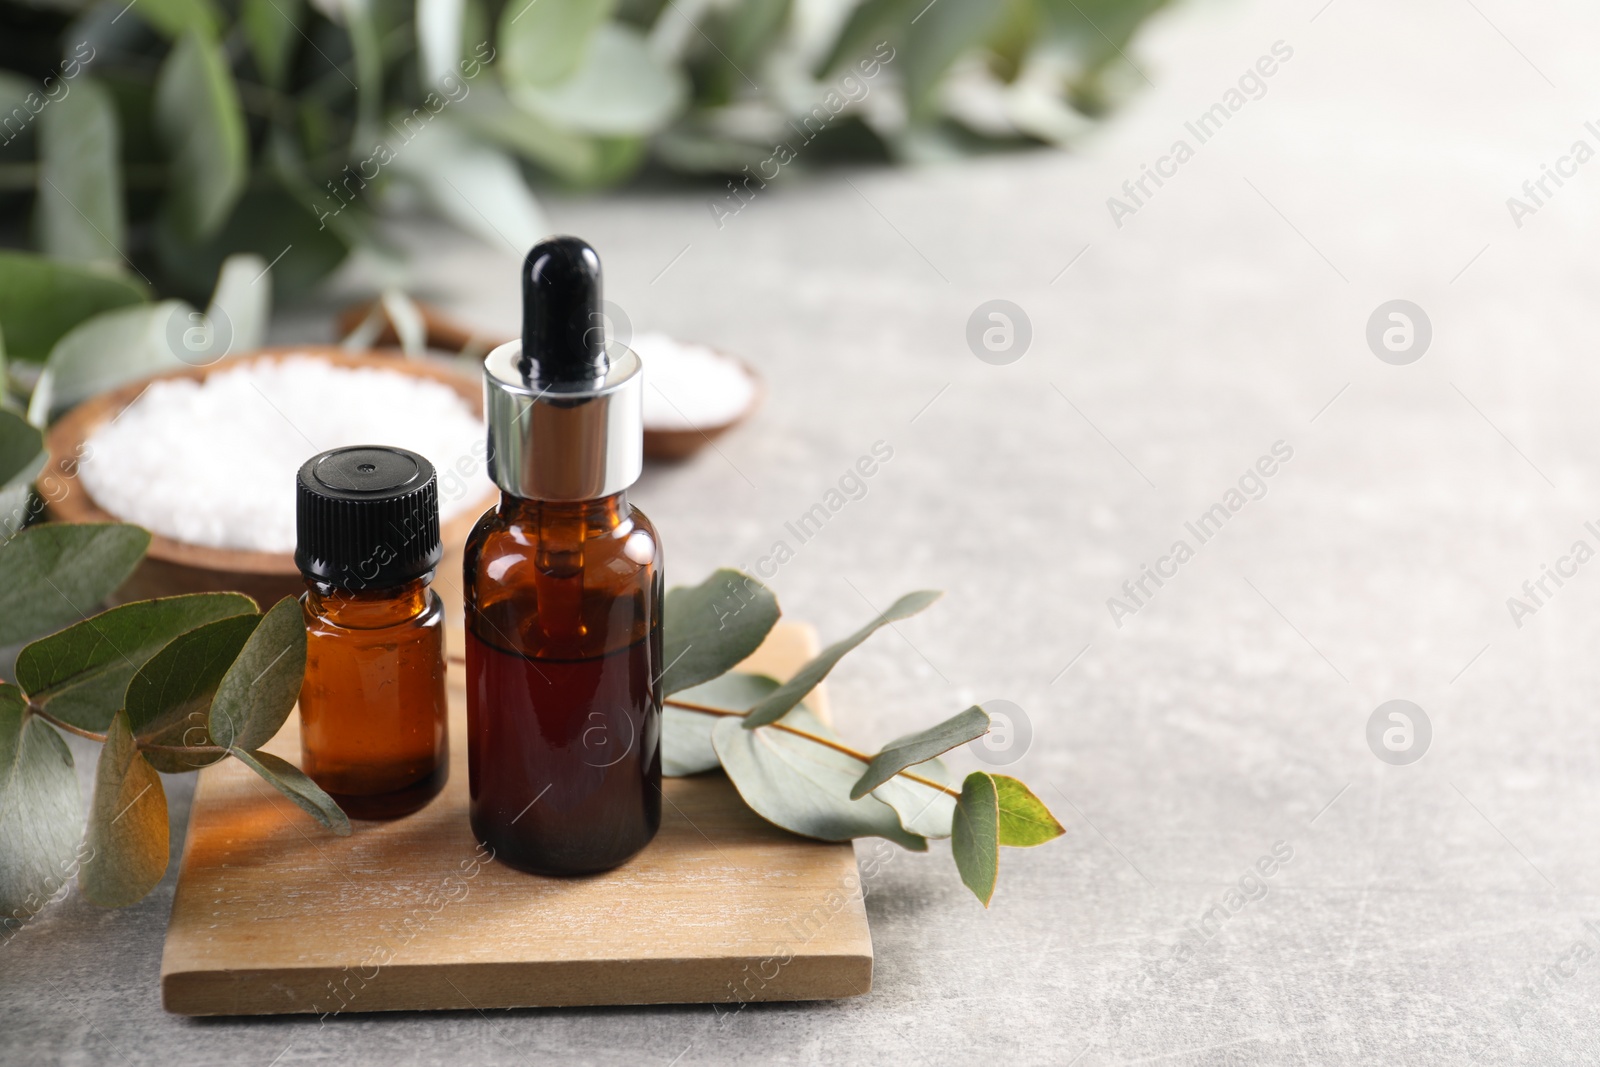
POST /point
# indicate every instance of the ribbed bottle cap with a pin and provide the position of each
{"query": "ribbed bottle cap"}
(367, 517)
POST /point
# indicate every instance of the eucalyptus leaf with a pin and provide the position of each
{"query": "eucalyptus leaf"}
(869, 22)
(943, 32)
(686, 735)
(975, 836)
(361, 30)
(292, 782)
(169, 699)
(127, 837)
(714, 626)
(923, 810)
(22, 457)
(472, 184)
(272, 30)
(199, 119)
(803, 786)
(914, 748)
(811, 675)
(543, 42)
(439, 24)
(572, 156)
(41, 811)
(260, 688)
(279, 227)
(79, 210)
(55, 574)
(621, 88)
(751, 28)
(1024, 819)
(110, 349)
(82, 672)
(41, 300)
(240, 305)
(173, 17)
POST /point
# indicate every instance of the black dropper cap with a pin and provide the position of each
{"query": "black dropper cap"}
(563, 327)
(367, 517)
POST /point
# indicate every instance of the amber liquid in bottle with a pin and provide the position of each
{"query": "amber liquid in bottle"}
(374, 726)
(563, 609)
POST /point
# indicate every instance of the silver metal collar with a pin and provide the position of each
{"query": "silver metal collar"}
(561, 443)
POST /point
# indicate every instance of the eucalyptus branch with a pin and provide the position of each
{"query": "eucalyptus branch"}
(823, 741)
(144, 746)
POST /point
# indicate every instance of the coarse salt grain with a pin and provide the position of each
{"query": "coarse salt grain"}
(689, 386)
(214, 462)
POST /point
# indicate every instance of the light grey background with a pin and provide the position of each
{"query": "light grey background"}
(1229, 713)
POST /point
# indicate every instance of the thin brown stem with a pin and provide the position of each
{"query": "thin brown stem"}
(144, 746)
(706, 709)
(67, 726)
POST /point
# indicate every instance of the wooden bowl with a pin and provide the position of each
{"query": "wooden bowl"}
(676, 445)
(172, 567)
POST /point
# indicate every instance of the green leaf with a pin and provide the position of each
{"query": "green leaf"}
(686, 735)
(81, 673)
(80, 207)
(802, 786)
(474, 185)
(272, 30)
(55, 574)
(975, 837)
(712, 627)
(935, 40)
(173, 17)
(869, 23)
(109, 350)
(169, 699)
(41, 299)
(923, 810)
(573, 157)
(621, 88)
(22, 457)
(261, 687)
(1024, 820)
(127, 838)
(811, 675)
(272, 224)
(923, 745)
(543, 42)
(292, 782)
(361, 30)
(198, 117)
(749, 30)
(41, 811)
(439, 24)
(240, 305)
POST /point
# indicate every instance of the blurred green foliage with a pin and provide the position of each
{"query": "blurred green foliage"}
(155, 138)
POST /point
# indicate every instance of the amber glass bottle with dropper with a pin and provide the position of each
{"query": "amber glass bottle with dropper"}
(563, 591)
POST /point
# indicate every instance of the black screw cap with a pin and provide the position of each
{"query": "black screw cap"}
(367, 517)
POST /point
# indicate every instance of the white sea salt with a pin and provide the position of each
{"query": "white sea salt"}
(689, 386)
(214, 462)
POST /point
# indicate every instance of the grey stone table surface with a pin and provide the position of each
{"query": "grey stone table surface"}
(1429, 913)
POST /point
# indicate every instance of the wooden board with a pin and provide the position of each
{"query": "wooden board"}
(274, 915)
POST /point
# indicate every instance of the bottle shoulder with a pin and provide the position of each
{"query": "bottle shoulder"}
(329, 617)
(503, 539)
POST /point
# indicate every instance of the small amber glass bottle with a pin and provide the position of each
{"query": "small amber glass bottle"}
(563, 591)
(373, 713)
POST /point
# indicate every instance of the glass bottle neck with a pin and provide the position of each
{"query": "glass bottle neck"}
(368, 608)
(591, 516)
